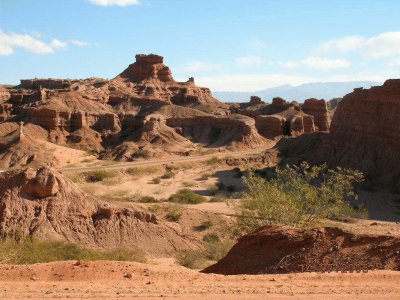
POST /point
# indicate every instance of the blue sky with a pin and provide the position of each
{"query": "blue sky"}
(237, 45)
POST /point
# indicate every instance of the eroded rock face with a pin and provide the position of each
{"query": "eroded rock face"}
(44, 204)
(106, 115)
(365, 130)
(281, 118)
(282, 249)
(148, 67)
(271, 126)
(363, 136)
(319, 110)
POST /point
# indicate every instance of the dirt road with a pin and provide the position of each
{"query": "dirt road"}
(130, 280)
(156, 162)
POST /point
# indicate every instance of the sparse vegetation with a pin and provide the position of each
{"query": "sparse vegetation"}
(168, 175)
(204, 177)
(213, 160)
(211, 238)
(186, 196)
(30, 251)
(174, 213)
(147, 199)
(144, 153)
(156, 180)
(297, 196)
(100, 175)
(134, 171)
(204, 225)
(192, 259)
(76, 177)
(188, 184)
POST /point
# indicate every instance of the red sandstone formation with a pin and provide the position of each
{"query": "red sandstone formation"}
(282, 118)
(319, 110)
(282, 249)
(363, 135)
(44, 204)
(143, 107)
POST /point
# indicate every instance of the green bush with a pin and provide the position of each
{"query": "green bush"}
(186, 196)
(100, 175)
(297, 196)
(31, 251)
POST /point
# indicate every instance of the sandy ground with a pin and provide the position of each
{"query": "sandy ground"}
(110, 280)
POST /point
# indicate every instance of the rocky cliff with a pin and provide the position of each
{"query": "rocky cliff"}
(44, 204)
(363, 135)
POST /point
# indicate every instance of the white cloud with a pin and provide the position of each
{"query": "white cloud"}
(318, 63)
(343, 45)
(115, 2)
(79, 43)
(57, 44)
(383, 45)
(394, 63)
(250, 82)
(248, 61)
(10, 42)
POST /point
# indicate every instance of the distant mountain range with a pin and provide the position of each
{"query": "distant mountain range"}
(319, 90)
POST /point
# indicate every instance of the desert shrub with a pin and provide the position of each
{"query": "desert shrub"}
(193, 259)
(186, 196)
(297, 196)
(156, 180)
(211, 238)
(168, 175)
(204, 225)
(30, 251)
(188, 184)
(204, 176)
(144, 153)
(135, 171)
(100, 175)
(213, 160)
(147, 199)
(174, 213)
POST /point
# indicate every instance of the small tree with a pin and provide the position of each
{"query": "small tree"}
(297, 196)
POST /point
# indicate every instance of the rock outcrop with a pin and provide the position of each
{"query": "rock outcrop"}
(319, 110)
(363, 136)
(281, 249)
(44, 204)
(141, 107)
